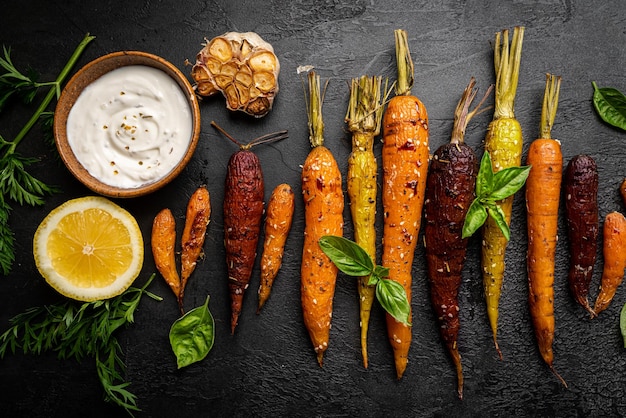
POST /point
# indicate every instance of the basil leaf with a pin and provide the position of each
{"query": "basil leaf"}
(474, 219)
(497, 214)
(392, 297)
(508, 181)
(347, 255)
(484, 179)
(192, 335)
(380, 272)
(622, 323)
(610, 104)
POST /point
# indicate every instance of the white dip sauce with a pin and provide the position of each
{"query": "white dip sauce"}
(130, 127)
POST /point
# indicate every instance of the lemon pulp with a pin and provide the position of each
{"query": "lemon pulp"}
(89, 249)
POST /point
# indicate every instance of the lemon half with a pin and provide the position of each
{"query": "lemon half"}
(89, 249)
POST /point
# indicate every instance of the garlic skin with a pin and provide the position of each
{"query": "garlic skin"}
(243, 67)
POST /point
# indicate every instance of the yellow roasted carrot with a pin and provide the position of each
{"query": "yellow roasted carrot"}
(363, 117)
(504, 144)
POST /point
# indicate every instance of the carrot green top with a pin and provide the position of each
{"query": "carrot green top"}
(404, 63)
(366, 105)
(507, 63)
(462, 114)
(314, 110)
(550, 103)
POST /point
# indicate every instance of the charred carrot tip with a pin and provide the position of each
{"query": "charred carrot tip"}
(498, 349)
(320, 358)
(558, 376)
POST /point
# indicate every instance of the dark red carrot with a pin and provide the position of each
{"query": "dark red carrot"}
(622, 191)
(243, 212)
(450, 190)
(581, 210)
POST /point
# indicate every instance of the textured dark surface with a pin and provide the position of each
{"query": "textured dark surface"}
(268, 367)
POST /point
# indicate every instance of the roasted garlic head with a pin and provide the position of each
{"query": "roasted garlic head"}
(243, 67)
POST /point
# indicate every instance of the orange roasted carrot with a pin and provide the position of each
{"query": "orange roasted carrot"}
(543, 188)
(163, 248)
(405, 165)
(196, 222)
(278, 219)
(323, 215)
(614, 253)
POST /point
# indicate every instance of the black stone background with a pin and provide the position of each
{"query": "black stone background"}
(268, 367)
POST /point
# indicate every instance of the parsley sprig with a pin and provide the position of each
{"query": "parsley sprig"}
(76, 331)
(17, 185)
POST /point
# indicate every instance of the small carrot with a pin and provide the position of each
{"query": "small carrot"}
(365, 110)
(581, 209)
(279, 216)
(622, 191)
(163, 248)
(503, 142)
(323, 215)
(405, 166)
(196, 222)
(614, 253)
(243, 212)
(543, 189)
(450, 190)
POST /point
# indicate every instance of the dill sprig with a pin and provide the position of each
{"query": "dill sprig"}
(74, 330)
(16, 183)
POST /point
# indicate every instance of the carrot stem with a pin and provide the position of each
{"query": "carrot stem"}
(315, 99)
(507, 64)
(404, 84)
(550, 104)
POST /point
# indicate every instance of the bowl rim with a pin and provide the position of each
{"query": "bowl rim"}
(91, 72)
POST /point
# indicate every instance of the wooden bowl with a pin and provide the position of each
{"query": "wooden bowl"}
(83, 78)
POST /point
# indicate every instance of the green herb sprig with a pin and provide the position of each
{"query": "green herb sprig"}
(75, 331)
(192, 335)
(352, 260)
(610, 104)
(490, 188)
(16, 183)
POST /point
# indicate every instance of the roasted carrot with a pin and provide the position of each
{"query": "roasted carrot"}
(543, 189)
(365, 110)
(197, 220)
(581, 214)
(622, 191)
(614, 253)
(243, 212)
(278, 219)
(504, 144)
(405, 166)
(323, 215)
(163, 242)
(450, 190)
